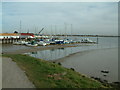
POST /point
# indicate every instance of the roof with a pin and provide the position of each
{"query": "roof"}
(9, 34)
(27, 34)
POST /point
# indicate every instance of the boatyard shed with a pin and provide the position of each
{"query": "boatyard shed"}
(9, 35)
(27, 35)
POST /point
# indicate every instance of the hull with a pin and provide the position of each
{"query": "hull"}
(34, 45)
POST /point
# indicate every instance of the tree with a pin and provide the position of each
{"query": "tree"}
(15, 31)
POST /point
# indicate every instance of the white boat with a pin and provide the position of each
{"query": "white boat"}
(87, 40)
(16, 43)
(20, 43)
(31, 45)
(24, 42)
(41, 43)
(66, 41)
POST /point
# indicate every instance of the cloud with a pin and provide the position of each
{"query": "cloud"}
(87, 18)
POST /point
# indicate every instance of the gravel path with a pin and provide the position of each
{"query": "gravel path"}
(13, 76)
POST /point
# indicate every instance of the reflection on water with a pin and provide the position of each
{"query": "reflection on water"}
(92, 64)
(11, 47)
(54, 54)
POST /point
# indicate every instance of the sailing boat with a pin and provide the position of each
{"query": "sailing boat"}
(32, 44)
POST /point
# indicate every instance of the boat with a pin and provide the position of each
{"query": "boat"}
(20, 43)
(59, 41)
(17, 43)
(66, 41)
(32, 44)
(87, 40)
(41, 43)
(50, 41)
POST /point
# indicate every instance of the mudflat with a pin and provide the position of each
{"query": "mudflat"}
(92, 62)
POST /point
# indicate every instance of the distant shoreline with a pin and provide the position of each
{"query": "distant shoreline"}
(89, 35)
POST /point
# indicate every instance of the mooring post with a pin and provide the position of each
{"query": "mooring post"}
(97, 39)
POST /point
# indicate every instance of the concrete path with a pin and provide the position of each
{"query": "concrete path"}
(13, 76)
(0, 72)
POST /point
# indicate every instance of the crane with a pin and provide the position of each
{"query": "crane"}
(41, 30)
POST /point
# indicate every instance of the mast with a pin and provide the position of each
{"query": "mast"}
(71, 29)
(20, 26)
(35, 30)
(55, 31)
(51, 31)
(97, 39)
(65, 29)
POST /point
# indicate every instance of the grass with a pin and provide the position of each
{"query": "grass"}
(45, 74)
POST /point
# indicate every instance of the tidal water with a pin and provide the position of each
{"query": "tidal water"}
(88, 59)
(54, 54)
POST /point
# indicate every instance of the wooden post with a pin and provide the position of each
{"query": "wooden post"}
(97, 39)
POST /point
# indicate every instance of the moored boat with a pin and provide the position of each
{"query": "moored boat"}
(41, 43)
(87, 40)
(32, 45)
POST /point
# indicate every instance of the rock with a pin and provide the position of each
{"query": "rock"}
(59, 64)
(105, 71)
(72, 69)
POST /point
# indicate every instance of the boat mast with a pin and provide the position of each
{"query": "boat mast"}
(71, 29)
(55, 31)
(20, 26)
(65, 30)
(51, 31)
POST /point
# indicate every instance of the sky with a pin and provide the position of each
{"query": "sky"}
(58, 17)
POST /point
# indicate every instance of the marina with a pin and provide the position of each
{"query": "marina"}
(59, 44)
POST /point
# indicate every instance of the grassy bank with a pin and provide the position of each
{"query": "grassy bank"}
(44, 74)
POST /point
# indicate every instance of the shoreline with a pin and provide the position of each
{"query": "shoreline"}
(77, 61)
(81, 52)
(52, 70)
(33, 49)
(52, 47)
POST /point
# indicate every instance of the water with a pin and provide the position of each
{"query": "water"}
(54, 54)
(86, 62)
(11, 47)
(90, 61)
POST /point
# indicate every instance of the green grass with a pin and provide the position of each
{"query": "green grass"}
(45, 74)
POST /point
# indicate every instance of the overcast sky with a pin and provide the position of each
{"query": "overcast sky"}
(86, 18)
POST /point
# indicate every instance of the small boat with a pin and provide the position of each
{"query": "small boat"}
(41, 43)
(17, 43)
(32, 45)
(59, 41)
(87, 40)
(66, 41)
(20, 43)
(52, 43)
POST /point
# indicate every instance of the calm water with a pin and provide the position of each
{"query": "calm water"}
(53, 54)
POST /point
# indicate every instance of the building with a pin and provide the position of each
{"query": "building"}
(9, 35)
(16, 35)
(27, 35)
